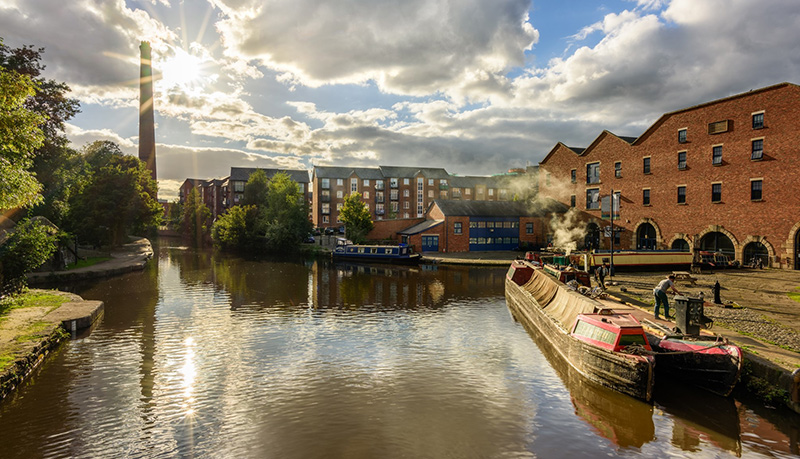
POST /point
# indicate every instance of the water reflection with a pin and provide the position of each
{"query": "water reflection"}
(207, 355)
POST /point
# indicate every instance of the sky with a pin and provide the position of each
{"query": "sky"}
(474, 86)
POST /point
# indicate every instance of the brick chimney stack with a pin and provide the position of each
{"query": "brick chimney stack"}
(147, 129)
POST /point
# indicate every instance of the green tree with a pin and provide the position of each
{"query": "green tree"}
(55, 164)
(115, 198)
(234, 230)
(195, 222)
(355, 215)
(29, 246)
(20, 135)
(255, 190)
(286, 214)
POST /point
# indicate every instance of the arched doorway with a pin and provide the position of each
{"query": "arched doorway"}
(755, 251)
(646, 237)
(718, 242)
(680, 245)
(797, 250)
(592, 239)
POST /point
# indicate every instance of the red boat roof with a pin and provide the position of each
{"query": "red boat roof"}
(614, 319)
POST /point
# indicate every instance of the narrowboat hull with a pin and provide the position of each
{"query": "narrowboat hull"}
(630, 374)
(376, 253)
(701, 361)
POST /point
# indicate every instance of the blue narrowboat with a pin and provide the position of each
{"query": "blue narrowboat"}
(400, 253)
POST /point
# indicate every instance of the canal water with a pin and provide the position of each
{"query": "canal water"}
(207, 355)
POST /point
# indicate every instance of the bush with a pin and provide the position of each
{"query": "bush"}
(29, 247)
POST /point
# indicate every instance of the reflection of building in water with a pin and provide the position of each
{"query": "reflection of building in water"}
(348, 284)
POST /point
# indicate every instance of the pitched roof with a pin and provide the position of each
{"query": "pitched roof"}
(339, 172)
(420, 227)
(499, 208)
(407, 172)
(243, 173)
(666, 116)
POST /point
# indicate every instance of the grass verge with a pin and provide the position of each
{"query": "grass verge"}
(87, 262)
(28, 299)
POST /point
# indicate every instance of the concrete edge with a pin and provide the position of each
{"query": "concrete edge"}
(77, 316)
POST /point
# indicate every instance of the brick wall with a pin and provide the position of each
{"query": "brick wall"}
(773, 220)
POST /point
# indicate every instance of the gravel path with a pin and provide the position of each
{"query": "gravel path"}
(749, 322)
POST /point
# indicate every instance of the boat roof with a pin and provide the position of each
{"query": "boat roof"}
(618, 320)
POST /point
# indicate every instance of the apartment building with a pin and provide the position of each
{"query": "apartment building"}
(392, 192)
(224, 193)
(720, 176)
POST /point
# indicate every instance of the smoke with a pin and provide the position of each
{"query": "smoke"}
(568, 230)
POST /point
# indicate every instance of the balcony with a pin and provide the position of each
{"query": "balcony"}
(444, 186)
(380, 212)
(324, 198)
(379, 186)
(379, 199)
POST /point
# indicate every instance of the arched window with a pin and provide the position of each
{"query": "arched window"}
(718, 242)
(646, 237)
(680, 245)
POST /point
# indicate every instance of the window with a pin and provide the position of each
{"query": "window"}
(757, 151)
(326, 208)
(406, 181)
(457, 228)
(573, 175)
(326, 183)
(572, 201)
(339, 182)
(593, 198)
(758, 120)
(339, 205)
(405, 215)
(593, 173)
(238, 186)
(716, 192)
(716, 156)
(529, 228)
(646, 165)
(430, 194)
(646, 197)
(755, 189)
(406, 205)
(406, 193)
(326, 219)
(378, 184)
(354, 185)
(718, 127)
(442, 182)
(419, 210)
(366, 182)
(420, 185)
(339, 194)
(430, 182)
(681, 135)
(681, 160)
(467, 191)
(682, 195)
(394, 206)
(366, 195)
(618, 169)
(491, 190)
(393, 182)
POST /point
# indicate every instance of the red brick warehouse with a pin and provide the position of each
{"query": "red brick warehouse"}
(721, 176)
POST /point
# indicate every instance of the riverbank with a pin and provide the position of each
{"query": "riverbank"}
(34, 324)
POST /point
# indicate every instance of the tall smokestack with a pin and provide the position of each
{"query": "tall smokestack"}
(147, 129)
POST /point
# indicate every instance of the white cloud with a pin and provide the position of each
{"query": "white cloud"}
(412, 47)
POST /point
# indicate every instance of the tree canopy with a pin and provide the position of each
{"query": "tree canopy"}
(20, 135)
(115, 198)
(273, 216)
(355, 215)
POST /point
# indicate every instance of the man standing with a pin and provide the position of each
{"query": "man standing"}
(602, 273)
(660, 293)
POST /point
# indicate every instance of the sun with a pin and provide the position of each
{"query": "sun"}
(183, 71)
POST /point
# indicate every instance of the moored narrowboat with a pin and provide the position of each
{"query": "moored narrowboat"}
(400, 253)
(605, 347)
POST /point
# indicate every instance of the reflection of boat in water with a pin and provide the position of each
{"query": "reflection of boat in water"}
(699, 416)
(400, 253)
(592, 339)
(624, 420)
